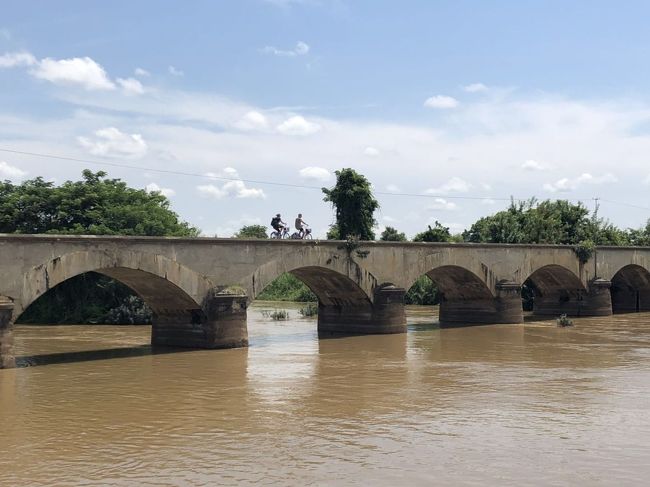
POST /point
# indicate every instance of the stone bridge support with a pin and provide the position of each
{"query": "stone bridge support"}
(385, 315)
(221, 323)
(595, 301)
(7, 359)
(504, 308)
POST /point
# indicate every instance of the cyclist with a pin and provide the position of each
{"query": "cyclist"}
(300, 225)
(278, 224)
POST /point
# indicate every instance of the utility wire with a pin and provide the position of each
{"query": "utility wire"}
(275, 183)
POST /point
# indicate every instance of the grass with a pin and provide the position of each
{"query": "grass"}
(563, 321)
(288, 288)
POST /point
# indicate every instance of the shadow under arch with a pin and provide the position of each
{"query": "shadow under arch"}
(344, 307)
(160, 281)
(466, 299)
(631, 289)
(555, 290)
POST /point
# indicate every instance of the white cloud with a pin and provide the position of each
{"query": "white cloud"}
(301, 49)
(110, 141)
(143, 73)
(371, 151)
(475, 88)
(392, 188)
(11, 172)
(488, 201)
(647, 180)
(315, 173)
(454, 185)
(389, 219)
(441, 101)
(154, 188)
(234, 187)
(83, 72)
(441, 204)
(566, 184)
(297, 125)
(531, 165)
(175, 71)
(16, 59)
(486, 186)
(131, 86)
(252, 120)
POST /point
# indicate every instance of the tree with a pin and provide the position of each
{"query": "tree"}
(95, 205)
(437, 233)
(252, 231)
(640, 237)
(551, 222)
(390, 234)
(354, 204)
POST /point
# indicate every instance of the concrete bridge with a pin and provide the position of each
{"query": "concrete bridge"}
(199, 288)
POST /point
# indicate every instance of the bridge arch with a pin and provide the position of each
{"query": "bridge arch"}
(554, 290)
(162, 283)
(335, 283)
(631, 289)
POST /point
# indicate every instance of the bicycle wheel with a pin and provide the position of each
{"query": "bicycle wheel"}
(309, 236)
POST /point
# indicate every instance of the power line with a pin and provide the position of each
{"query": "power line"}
(276, 183)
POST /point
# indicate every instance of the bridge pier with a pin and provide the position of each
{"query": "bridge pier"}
(630, 300)
(504, 308)
(220, 324)
(7, 359)
(597, 301)
(386, 315)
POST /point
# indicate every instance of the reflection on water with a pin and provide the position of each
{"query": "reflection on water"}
(504, 404)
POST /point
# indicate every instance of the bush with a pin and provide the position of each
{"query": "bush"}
(423, 291)
(563, 321)
(280, 315)
(310, 310)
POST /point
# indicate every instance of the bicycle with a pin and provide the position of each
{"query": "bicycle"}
(306, 234)
(283, 233)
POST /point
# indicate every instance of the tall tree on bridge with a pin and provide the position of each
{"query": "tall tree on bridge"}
(353, 203)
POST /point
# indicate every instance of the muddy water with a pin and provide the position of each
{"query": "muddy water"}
(492, 405)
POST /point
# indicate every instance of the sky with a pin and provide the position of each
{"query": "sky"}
(449, 108)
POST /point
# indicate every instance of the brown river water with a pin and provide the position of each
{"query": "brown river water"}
(529, 404)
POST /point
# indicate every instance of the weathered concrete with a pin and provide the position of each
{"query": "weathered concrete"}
(199, 288)
(7, 359)
(384, 315)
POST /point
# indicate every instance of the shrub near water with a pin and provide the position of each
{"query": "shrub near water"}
(310, 310)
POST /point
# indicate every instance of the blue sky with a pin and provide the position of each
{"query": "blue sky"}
(452, 100)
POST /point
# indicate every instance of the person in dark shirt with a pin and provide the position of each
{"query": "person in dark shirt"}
(277, 223)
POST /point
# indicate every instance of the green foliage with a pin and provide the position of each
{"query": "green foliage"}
(276, 315)
(287, 287)
(132, 311)
(584, 250)
(88, 298)
(93, 206)
(423, 291)
(640, 237)
(252, 231)
(550, 222)
(437, 233)
(333, 233)
(390, 234)
(310, 310)
(354, 204)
